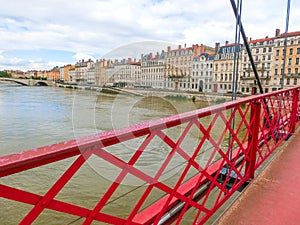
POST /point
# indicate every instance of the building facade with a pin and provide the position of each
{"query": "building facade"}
(153, 71)
(225, 68)
(288, 75)
(262, 53)
(202, 73)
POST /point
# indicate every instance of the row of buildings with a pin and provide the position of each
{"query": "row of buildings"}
(196, 68)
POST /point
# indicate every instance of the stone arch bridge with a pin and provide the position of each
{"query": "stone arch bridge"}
(27, 82)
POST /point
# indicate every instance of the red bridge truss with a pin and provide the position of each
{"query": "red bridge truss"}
(233, 140)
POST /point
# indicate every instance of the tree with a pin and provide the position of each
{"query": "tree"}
(4, 74)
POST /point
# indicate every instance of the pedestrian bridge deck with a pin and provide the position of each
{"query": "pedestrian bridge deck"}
(274, 196)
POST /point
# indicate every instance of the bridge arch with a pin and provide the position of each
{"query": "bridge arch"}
(18, 81)
(41, 83)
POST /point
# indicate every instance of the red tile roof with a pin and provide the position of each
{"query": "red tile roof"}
(261, 40)
(291, 34)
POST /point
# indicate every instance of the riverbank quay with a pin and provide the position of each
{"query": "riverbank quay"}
(172, 94)
(274, 196)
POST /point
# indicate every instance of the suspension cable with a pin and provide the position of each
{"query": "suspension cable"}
(285, 41)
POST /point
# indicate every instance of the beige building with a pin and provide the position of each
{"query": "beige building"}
(123, 73)
(262, 53)
(84, 72)
(179, 65)
(152, 71)
(100, 72)
(291, 73)
(224, 68)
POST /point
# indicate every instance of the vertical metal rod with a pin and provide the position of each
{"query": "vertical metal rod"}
(285, 41)
(235, 10)
(237, 42)
(235, 70)
(247, 46)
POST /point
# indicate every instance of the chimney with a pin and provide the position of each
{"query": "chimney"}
(217, 46)
(226, 43)
(202, 49)
(169, 48)
(157, 55)
(277, 32)
(179, 47)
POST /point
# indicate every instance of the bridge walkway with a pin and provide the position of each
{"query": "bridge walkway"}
(274, 196)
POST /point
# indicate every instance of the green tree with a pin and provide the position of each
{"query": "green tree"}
(4, 74)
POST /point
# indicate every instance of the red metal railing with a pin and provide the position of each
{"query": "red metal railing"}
(232, 140)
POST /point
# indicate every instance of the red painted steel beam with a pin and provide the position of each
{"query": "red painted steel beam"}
(148, 215)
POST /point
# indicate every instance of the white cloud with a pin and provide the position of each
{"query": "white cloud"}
(80, 56)
(96, 27)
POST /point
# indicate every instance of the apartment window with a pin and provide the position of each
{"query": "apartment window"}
(291, 51)
(257, 50)
(295, 81)
(256, 58)
(289, 70)
(296, 71)
(221, 77)
(298, 50)
(290, 61)
(270, 49)
(288, 81)
(277, 52)
(269, 57)
(264, 57)
(264, 50)
(297, 61)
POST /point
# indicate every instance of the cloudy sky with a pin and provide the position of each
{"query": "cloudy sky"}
(41, 34)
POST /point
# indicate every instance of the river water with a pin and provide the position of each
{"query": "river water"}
(31, 117)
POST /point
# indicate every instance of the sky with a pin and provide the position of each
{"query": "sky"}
(42, 34)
